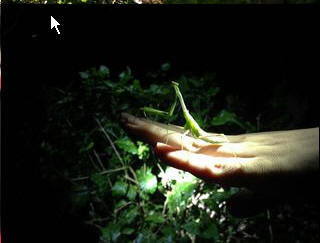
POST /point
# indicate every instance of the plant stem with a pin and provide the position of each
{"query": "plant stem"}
(112, 144)
(270, 226)
(98, 159)
(101, 173)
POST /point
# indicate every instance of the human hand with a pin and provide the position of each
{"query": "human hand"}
(272, 165)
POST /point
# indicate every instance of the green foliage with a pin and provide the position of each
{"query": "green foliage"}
(225, 117)
(127, 145)
(119, 189)
(181, 186)
(147, 181)
(101, 184)
(119, 186)
(178, 198)
(205, 229)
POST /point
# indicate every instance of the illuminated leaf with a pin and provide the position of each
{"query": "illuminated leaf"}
(178, 197)
(127, 145)
(143, 150)
(148, 181)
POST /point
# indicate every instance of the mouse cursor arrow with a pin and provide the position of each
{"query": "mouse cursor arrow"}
(54, 23)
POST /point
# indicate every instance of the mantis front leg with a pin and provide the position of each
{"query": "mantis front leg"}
(191, 125)
(164, 114)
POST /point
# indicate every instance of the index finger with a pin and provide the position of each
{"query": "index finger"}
(153, 132)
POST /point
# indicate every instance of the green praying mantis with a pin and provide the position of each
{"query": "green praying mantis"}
(191, 127)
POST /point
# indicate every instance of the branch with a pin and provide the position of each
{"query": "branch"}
(101, 173)
(110, 141)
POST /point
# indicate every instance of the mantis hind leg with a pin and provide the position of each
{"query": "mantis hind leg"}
(218, 142)
(184, 135)
(167, 135)
(206, 137)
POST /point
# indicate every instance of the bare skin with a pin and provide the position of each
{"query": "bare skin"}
(270, 162)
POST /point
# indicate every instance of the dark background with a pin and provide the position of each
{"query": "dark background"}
(255, 50)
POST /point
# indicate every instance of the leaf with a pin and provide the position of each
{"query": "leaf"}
(158, 90)
(104, 71)
(212, 91)
(80, 196)
(129, 215)
(220, 196)
(222, 118)
(120, 203)
(225, 116)
(136, 85)
(155, 217)
(196, 82)
(125, 76)
(179, 195)
(192, 227)
(147, 181)
(111, 232)
(165, 67)
(90, 146)
(143, 150)
(119, 189)
(211, 232)
(172, 175)
(132, 192)
(84, 75)
(204, 228)
(127, 231)
(169, 233)
(139, 238)
(127, 145)
(146, 236)
(110, 84)
(101, 184)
